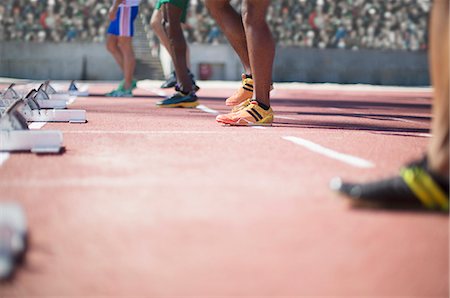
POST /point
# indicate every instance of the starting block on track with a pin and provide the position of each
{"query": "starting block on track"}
(32, 110)
(52, 94)
(78, 91)
(15, 135)
(44, 101)
(72, 92)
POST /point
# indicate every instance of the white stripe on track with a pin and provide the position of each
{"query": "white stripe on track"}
(36, 125)
(286, 118)
(348, 159)
(403, 120)
(207, 110)
(3, 158)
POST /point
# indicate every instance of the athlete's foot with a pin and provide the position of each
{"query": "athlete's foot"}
(180, 100)
(243, 93)
(194, 83)
(415, 187)
(249, 113)
(120, 92)
(170, 82)
(123, 85)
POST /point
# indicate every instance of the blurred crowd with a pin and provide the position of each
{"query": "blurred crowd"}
(53, 20)
(346, 24)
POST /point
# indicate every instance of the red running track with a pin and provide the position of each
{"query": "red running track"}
(162, 203)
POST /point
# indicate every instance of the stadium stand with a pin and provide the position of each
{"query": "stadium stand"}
(346, 24)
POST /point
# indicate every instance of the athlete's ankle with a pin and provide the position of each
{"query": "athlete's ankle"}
(263, 105)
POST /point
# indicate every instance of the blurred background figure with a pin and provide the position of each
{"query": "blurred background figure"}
(158, 29)
(122, 15)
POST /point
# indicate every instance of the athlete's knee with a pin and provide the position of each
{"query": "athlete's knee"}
(156, 22)
(125, 43)
(111, 45)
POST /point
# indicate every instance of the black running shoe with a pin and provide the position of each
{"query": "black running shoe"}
(194, 83)
(414, 188)
(194, 87)
(180, 100)
(170, 82)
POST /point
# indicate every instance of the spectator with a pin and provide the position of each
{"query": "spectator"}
(349, 24)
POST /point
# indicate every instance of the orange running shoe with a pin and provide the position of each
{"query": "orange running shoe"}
(241, 106)
(249, 115)
(245, 92)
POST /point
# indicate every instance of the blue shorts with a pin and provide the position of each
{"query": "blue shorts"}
(123, 25)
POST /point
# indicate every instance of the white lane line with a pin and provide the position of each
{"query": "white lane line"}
(286, 118)
(349, 159)
(411, 134)
(425, 135)
(404, 120)
(36, 125)
(3, 158)
(207, 110)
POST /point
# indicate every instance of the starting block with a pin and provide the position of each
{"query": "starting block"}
(47, 102)
(15, 135)
(78, 91)
(52, 94)
(41, 97)
(32, 111)
(70, 94)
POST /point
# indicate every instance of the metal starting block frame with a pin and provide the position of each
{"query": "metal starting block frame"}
(43, 99)
(15, 135)
(78, 91)
(33, 111)
(52, 94)
(70, 95)
(47, 102)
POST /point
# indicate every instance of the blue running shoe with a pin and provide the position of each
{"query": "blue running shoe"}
(179, 100)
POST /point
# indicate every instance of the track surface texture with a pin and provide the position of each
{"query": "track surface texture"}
(168, 203)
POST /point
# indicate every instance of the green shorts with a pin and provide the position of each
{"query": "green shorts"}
(182, 4)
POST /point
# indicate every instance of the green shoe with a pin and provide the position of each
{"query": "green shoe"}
(133, 85)
(120, 93)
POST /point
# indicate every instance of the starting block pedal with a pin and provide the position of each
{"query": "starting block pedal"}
(57, 95)
(46, 102)
(78, 91)
(15, 135)
(52, 94)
